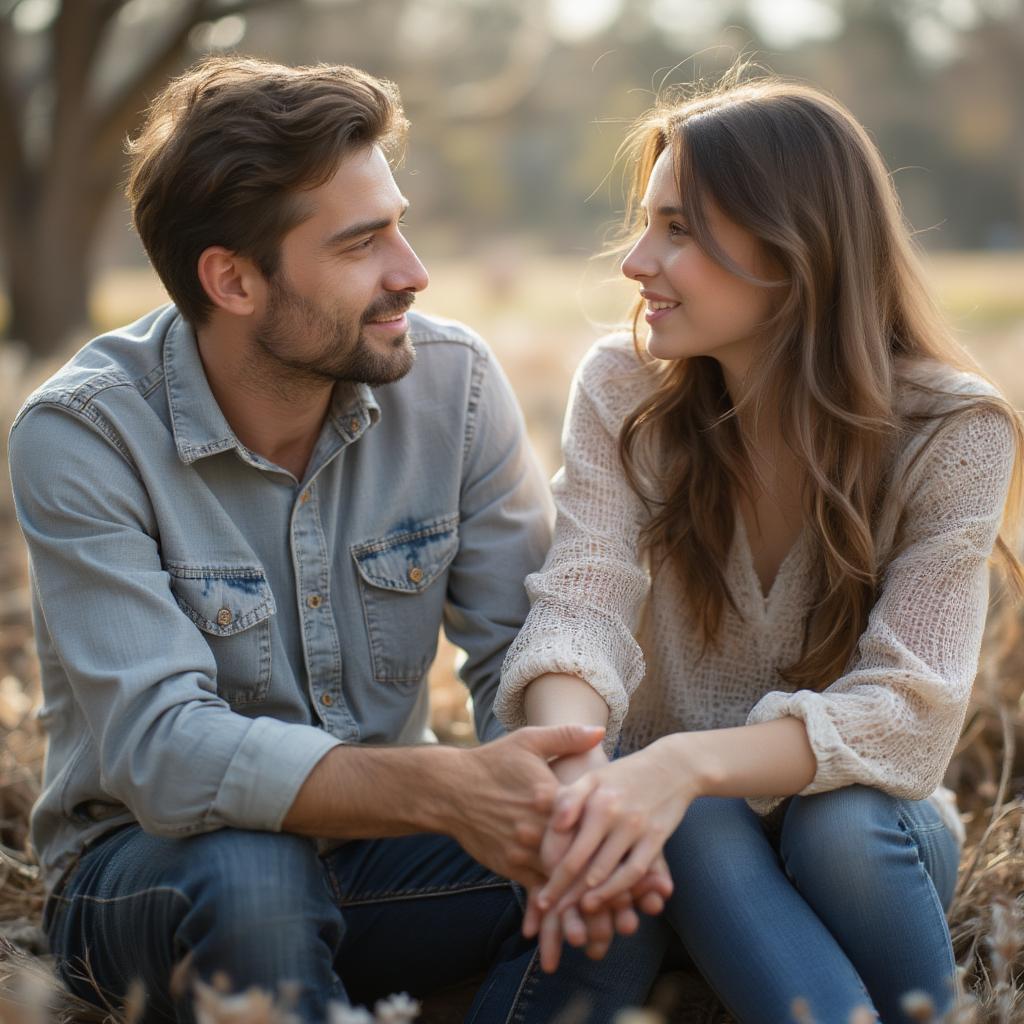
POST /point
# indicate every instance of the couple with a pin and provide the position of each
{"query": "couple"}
(249, 512)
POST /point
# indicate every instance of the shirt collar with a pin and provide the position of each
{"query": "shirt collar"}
(200, 428)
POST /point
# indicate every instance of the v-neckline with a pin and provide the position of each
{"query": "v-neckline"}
(747, 556)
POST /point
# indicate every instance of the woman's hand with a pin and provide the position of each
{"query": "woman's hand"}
(620, 815)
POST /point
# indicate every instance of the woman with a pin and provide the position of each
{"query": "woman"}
(769, 577)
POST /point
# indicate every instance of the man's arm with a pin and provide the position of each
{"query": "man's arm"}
(491, 798)
(169, 747)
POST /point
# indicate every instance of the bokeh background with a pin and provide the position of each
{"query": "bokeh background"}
(517, 109)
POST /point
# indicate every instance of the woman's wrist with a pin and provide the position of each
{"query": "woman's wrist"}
(569, 769)
(690, 763)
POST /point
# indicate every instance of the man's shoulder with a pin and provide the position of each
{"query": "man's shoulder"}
(434, 331)
(129, 357)
(451, 359)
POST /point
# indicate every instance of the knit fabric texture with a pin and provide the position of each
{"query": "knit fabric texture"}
(891, 720)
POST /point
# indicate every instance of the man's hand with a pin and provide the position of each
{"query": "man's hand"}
(503, 791)
(594, 928)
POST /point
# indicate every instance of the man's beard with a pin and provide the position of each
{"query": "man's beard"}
(342, 350)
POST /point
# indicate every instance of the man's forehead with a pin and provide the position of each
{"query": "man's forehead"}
(361, 184)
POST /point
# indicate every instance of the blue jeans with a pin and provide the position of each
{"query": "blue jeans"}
(372, 917)
(841, 904)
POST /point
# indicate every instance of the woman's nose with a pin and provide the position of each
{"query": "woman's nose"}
(638, 262)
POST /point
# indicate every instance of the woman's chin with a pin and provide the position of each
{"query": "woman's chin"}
(662, 346)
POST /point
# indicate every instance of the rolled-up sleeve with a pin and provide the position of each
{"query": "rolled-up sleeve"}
(170, 748)
(504, 531)
(892, 720)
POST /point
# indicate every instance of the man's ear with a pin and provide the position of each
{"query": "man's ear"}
(232, 282)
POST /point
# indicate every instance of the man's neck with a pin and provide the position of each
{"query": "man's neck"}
(272, 414)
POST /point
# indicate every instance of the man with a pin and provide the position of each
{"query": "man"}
(247, 515)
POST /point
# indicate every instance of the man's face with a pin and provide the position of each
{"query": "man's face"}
(335, 309)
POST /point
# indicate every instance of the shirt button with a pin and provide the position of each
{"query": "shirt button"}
(415, 574)
(353, 425)
(314, 601)
(326, 699)
(304, 497)
(224, 617)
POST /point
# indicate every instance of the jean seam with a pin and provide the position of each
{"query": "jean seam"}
(170, 889)
(520, 1002)
(426, 892)
(908, 835)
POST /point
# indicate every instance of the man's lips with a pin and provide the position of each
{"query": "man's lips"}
(391, 314)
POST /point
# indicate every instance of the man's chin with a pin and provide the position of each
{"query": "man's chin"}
(378, 369)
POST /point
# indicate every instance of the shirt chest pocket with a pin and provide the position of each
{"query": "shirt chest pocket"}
(232, 605)
(402, 587)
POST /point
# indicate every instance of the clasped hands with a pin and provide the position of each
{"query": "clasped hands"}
(601, 851)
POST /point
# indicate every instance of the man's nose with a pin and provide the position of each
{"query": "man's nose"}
(408, 273)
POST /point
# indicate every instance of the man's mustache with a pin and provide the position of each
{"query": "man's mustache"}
(389, 307)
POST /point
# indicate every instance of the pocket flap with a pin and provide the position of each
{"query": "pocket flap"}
(408, 561)
(222, 600)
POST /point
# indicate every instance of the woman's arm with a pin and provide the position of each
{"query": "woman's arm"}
(557, 699)
(622, 813)
(892, 719)
(586, 600)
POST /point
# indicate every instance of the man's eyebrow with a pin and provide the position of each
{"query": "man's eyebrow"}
(366, 227)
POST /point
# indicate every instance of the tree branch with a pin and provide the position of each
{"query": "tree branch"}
(76, 36)
(498, 95)
(12, 154)
(125, 110)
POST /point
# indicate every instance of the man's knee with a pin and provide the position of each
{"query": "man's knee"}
(256, 879)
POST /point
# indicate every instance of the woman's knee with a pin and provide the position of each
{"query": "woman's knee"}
(840, 837)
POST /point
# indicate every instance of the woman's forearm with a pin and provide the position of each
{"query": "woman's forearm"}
(769, 759)
(560, 699)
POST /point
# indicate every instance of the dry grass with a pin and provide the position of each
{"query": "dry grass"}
(536, 312)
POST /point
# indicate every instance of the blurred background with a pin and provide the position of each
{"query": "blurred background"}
(517, 108)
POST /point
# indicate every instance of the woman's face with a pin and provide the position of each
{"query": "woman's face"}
(694, 306)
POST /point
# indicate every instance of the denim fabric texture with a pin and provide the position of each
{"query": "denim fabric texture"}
(208, 625)
(843, 906)
(369, 918)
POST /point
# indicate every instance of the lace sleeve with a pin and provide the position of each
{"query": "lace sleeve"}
(587, 597)
(892, 720)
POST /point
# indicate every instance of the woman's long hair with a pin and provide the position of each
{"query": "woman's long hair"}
(852, 327)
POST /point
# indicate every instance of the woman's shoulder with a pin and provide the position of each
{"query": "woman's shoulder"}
(956, 417)
(614, 377)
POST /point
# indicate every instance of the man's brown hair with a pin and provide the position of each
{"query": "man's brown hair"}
(227, 150)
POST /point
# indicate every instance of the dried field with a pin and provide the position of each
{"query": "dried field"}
(541, 314)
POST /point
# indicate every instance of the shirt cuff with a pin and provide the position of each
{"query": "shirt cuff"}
(266, 773)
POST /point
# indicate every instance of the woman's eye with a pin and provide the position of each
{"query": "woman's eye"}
(676, 228)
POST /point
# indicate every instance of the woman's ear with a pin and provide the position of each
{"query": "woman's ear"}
(232, 282)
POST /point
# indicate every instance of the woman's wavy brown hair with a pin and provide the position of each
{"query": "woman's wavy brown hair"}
(853, 325)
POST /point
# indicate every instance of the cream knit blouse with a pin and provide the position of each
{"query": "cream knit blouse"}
(892, 718)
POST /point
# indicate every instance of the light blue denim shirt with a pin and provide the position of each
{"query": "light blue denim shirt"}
(208, 626)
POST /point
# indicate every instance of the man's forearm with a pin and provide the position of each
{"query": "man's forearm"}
(372, 792)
